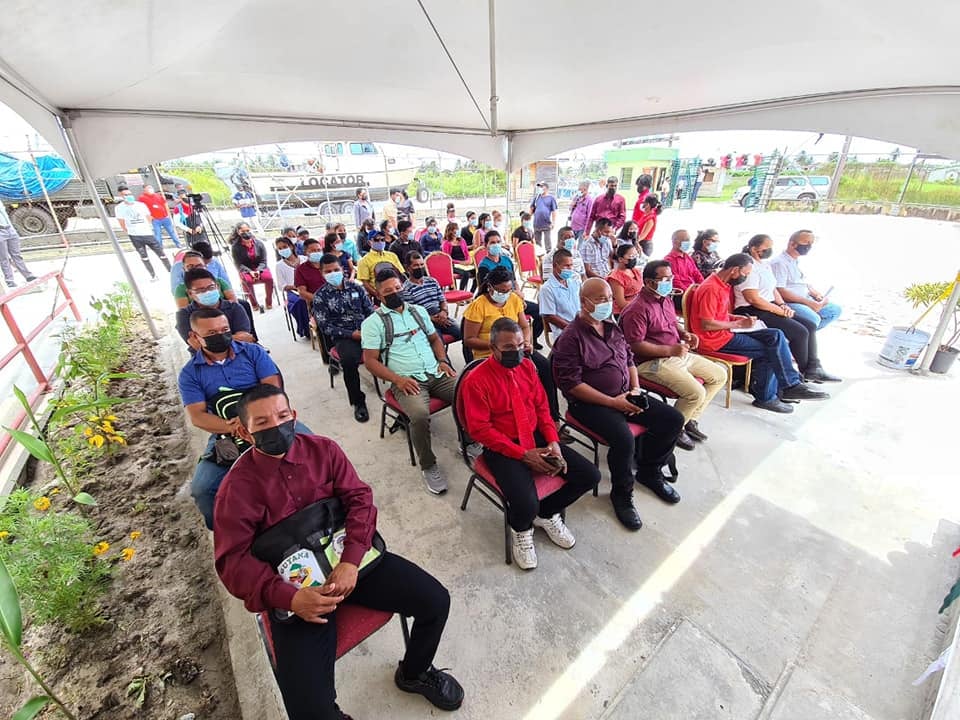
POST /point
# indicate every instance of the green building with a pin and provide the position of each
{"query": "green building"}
(627, 164)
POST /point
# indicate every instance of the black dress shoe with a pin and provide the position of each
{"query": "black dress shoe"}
(659, 487)
(360, 413)
(693, 430)
(625, 511)
(437, 686)
(774, 406)
(816, 373)
(684, 442)
(802, 391)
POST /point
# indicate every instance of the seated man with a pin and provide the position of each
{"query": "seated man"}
(374, 261)
(425, 291)
(662, 351)
(308, 276)
(314, 469)
(560, 295)
(506, 411)
(595, 371)
(200, 257)
(684, 267)
(339, 307)
(203, 291)
(597, 248)
(405, 244)
(773, 379)
(210, 384)
(567, 241)
(401, 346)
(807, 302)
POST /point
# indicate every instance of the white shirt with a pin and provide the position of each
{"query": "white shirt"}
(137, 217)
(788, 274)
(760, 279)
(283, 273)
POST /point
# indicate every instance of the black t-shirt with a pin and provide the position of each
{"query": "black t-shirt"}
(467, 234)
(521, 235)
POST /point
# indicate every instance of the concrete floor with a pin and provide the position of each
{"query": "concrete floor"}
(799, 578)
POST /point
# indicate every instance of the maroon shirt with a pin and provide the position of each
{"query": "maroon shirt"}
(650, 318)
(260, 491)
(580, 355)
(308, 276)
(603, 207)
(685, 270)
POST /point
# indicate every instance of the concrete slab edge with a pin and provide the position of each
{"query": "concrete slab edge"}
(947, 703)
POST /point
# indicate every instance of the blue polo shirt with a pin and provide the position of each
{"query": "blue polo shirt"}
(201, 381)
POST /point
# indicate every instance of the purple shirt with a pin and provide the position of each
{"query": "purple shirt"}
(650, 318)
(580, 355)
(580, 213)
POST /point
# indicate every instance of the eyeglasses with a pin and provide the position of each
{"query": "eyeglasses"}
(205, 288)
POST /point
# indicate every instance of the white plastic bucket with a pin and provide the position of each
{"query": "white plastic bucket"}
(902, 349)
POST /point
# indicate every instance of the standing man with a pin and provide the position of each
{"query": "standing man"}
(157, 204)
(596, 250)
(390, 209)
(362, 209)
(610, 205)
(245, 201)
(544, 211)
(805, 300)
(10, 251)
(136, 221)
(580, 210)
(685, 270)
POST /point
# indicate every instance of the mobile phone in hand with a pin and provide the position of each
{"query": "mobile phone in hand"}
(640, 400)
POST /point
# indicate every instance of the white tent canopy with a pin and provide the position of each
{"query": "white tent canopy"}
(147, 81)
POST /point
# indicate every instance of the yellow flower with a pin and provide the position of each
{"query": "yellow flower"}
(135, 534)
(55, 491)
(100, 548)
(4, 534)
(42, 503)
(127, 553)
(88, 431)
(111, 418)
(93, 419)
(117, 439)
(107, 427)
(96, 441)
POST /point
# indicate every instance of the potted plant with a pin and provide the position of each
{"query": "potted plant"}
(929, 295)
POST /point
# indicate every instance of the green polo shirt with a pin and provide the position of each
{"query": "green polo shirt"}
(410, 354)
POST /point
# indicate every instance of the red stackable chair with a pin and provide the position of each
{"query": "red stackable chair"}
(530, 274)
(440, 268)
(392, 409)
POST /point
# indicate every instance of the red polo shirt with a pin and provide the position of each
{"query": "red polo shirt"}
(157, 204)
(685, 271)
(309, 277)
(712, 300)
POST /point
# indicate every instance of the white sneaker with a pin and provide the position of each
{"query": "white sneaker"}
(524, 554)
(474, 450)
(556, 530)
(434, 480)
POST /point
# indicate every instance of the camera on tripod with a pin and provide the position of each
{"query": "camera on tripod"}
(197, 200)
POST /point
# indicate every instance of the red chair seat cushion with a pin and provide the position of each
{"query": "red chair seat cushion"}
(457, 296)
(355, 624)
(447, 339)
(334, 354)
(637, 430)
(657, 387)
(436, 404)
(534, 279)
(729, 357)
(546, 484)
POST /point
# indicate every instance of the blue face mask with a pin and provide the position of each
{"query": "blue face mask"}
(569, 244)
(685, 246)
(527, 224)
(499, 297)
(378, 246)
(711, 247)
(488, 225)
(209, 298)
(315, 257)
(285, 252)
(494, 249)
(602, 311)
(567, 274)
(334, 278)
(129, 199)
(665, 287)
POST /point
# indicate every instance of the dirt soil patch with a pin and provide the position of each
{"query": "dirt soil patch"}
(163, 618)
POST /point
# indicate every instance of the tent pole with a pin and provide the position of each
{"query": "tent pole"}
(46, 196)
(494, 126)
(508, 166)
(105, 219)
(941, 327)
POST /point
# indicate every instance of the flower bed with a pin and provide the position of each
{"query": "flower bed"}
(121, 614)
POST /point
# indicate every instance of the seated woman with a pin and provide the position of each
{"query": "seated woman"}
(333, 245)
(250, 257)
(628, 234)
(496, 299)
(705, 253)
(497, 258)
(456, 247)
(284, 273)
(758, 296)
(524, 233)
(366, 231)
(484, 225)
(430, 240)
(349, 243)
(626, 278)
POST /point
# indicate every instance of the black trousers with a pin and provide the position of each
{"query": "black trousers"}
(649, 451)
(546, 379)
(351, 355)
(141, 243)
(306, 652)
(465, 276)
(801, 334)
(533, 310)
(516, 482)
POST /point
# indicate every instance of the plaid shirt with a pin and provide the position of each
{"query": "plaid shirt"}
(596, 254)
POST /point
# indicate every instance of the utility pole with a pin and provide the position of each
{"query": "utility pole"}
(838, 171)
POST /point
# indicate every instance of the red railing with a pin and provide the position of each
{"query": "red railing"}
(22, 343)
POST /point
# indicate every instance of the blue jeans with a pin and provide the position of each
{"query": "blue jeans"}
(772, 363)
(165, 224)
(453, 330)
(829, 313)
(208, 476)
(298, 311)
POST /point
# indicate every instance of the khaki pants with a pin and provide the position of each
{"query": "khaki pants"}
(680, 375)
(417, 408)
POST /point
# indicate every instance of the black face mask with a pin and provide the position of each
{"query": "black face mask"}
(611, 192)
(218, 343)
(394, 302)
(510, 358)
(803, 249)
(631, 263)
(647, 247)
(246, 236)
(764, 254)
(738, 281)
(418, 273)
(342, 236)
(276, 440)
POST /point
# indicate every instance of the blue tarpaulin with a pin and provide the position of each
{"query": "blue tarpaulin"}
(19, 181)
